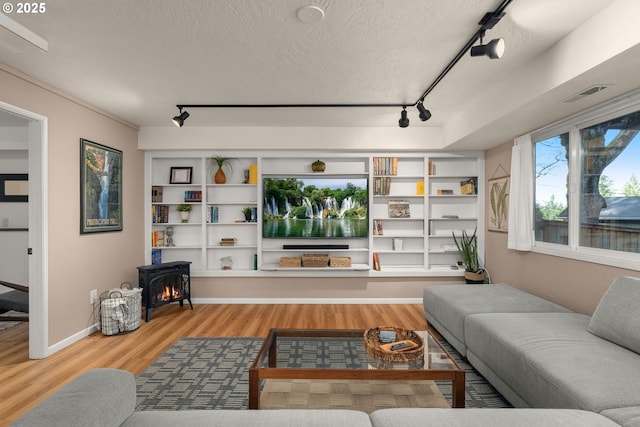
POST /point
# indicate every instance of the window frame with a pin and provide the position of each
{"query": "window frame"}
(620, 107)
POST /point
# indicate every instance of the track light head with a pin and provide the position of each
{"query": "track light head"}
(179, 120)
(424, 114)
(404, 120)
(494, 49)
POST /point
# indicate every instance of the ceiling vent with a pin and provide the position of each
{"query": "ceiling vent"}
(588, 91)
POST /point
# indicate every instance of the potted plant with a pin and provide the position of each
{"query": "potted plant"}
(220, 177)
(247, 214)
(184, 210)
(468, 249)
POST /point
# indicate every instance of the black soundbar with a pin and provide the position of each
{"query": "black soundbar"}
(315, 247)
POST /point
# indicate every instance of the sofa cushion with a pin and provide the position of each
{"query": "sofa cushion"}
(101, 397)
(447, 306)
(551, 361)
(626, 417)
(488, 418)
(617, 316)
(250, 418)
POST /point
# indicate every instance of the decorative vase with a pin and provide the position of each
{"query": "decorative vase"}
(318, 166)
(184, 216)
(220, 177)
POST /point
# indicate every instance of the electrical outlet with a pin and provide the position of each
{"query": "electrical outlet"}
(93, 296)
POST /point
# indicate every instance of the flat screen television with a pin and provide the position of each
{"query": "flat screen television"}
(316, 208)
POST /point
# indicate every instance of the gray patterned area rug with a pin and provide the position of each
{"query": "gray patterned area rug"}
(9, 324)
(213, 373)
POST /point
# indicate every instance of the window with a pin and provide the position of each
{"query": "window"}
(587, 187)
(551, 195)
(610, 196)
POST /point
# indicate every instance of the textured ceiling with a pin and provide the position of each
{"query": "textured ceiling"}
(138, 59)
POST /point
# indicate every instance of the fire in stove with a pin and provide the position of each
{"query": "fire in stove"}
(170, 293)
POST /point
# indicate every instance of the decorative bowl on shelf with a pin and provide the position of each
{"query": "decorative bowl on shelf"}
(318, 166)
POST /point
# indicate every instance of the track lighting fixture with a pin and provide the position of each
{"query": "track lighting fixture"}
(424, 114)
(179, 120)
(404, 120)
(494, 49)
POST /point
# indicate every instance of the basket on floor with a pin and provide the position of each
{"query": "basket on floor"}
(120, 309)
(372, 344)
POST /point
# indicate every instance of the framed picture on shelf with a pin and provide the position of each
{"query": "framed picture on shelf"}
(180, 175)
(100, 188)
(399, 209)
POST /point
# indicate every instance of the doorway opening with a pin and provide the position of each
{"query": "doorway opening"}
(26, 134)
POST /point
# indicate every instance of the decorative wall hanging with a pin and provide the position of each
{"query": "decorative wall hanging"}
(100, 188)
(499, 200)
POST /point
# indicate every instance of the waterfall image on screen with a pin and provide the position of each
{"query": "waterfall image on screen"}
(315, 208)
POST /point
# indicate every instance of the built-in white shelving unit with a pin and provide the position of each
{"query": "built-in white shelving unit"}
(415, 205)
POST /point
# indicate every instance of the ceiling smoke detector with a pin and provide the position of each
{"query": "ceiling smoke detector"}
(310, 14)
(586, 92)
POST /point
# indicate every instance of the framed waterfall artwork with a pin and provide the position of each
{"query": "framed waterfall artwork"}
(498, 203)
(100, 188)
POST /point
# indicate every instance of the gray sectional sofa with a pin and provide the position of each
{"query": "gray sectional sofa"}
(106, 398)
(564, 368)
(541, 355)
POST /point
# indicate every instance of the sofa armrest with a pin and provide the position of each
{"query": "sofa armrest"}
(101, 397)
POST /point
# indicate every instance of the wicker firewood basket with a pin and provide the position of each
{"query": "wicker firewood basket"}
(290, 262)
(315, 260)
(372, 344)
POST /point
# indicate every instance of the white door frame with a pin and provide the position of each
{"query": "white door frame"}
(38, 231)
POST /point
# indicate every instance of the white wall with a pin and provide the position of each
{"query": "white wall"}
(75, 263)
(290, 138)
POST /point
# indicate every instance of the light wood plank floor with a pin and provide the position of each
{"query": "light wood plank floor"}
(24, 382)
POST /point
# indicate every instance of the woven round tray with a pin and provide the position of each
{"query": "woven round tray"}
(372, 344)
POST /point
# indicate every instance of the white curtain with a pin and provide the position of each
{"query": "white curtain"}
(520, 228)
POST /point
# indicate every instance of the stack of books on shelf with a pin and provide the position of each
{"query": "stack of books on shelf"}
(193, 196)
(376, 262)
(385, 166)
(213, 214)
(381, 185)
(228, 241)
(431, 168)
(377, 228)
(160, 214)
(157, 238)
(156, 256)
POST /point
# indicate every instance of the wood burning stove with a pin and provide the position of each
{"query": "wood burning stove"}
(164, 283)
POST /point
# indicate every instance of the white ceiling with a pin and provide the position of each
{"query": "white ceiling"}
(138, 59)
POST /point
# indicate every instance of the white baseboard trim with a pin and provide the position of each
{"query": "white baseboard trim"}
(72, 339)
(306, 300)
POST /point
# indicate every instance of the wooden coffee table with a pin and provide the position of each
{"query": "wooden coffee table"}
(274, 362)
